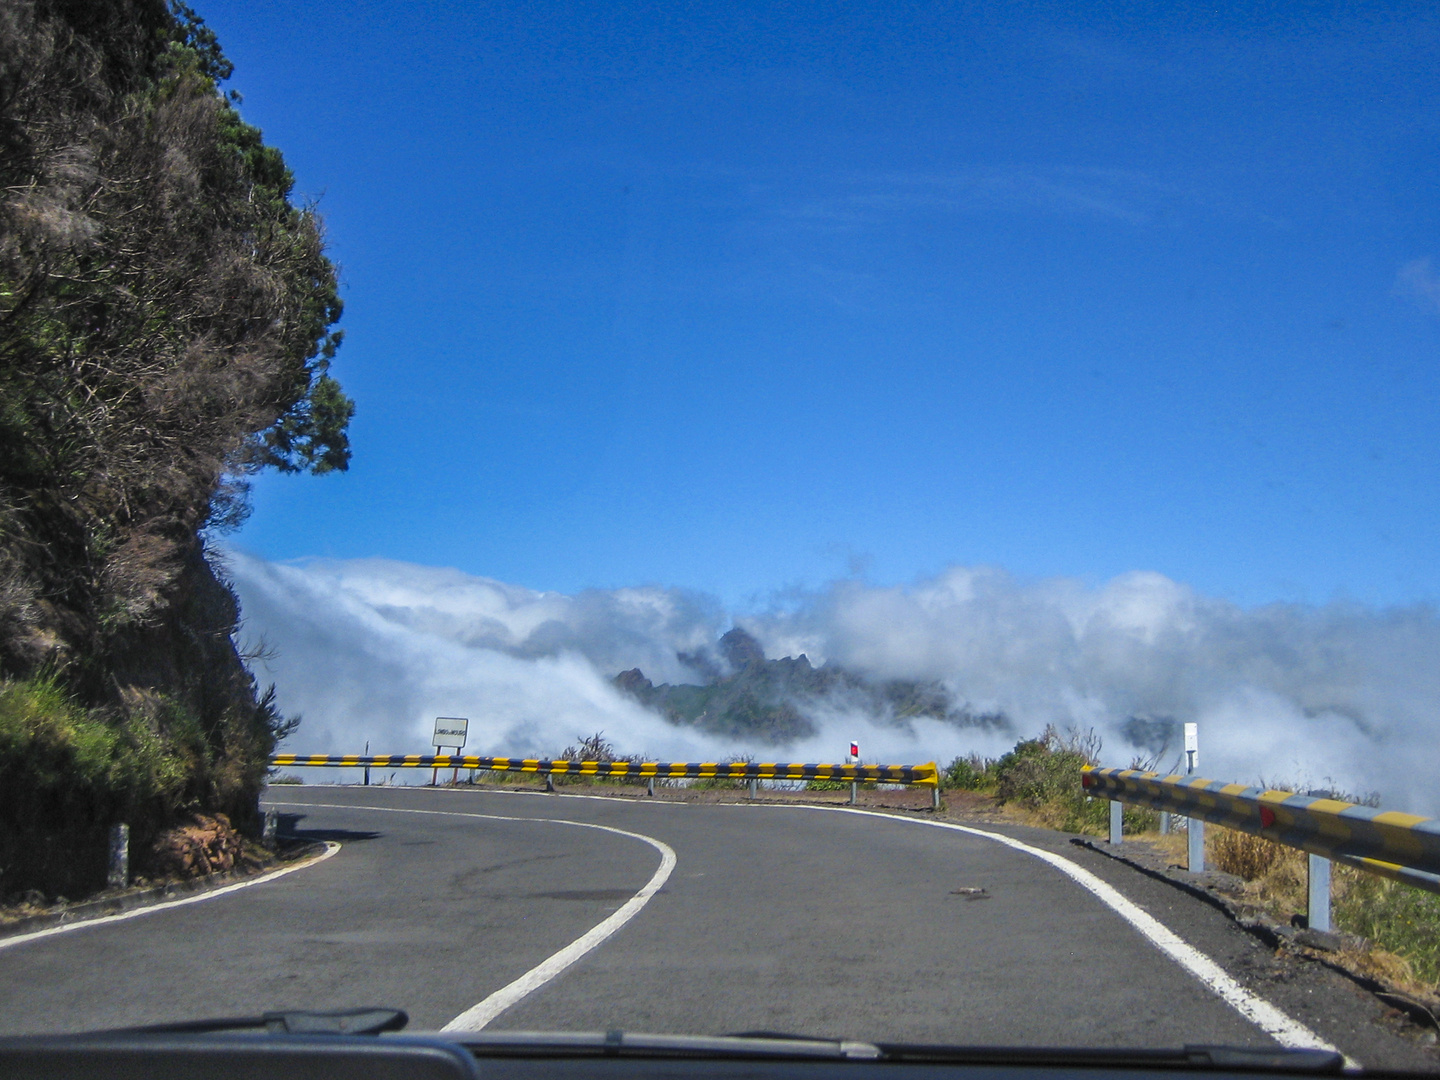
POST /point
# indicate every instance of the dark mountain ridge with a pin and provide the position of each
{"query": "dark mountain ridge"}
(751, 699)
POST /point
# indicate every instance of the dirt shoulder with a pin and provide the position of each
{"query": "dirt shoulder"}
(38, 913)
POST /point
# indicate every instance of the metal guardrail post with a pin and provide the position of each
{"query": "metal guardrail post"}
(854, 793)
(1117, 820)
(650, 787)
(1195, 845)
(1164, 822)
(118, 875)
(1317, 911)
(935, 797)
(754, 787)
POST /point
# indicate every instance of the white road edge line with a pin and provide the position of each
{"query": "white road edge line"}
(1278, 1025)
(477, 1016)
(166, 905)
(1284, 1029)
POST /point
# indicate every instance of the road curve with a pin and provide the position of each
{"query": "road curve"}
(773, 918)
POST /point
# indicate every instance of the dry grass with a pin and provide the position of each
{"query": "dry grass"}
(1275, 875)
(1244, 855)
(1402, 923)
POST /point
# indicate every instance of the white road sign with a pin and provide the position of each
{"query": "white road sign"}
(450, 731)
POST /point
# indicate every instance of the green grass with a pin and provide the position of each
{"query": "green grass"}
(68, 773)
(58, 758)
(1398, 918)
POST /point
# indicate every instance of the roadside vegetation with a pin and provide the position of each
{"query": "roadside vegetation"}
(1401, 922)
(1040, 779)
(67, 771)
(166, 329)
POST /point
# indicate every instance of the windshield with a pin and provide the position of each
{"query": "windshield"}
(998, 394)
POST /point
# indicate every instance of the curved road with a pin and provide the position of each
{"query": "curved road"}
(773, 918)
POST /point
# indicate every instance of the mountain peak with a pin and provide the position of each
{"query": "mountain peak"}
(740, 649)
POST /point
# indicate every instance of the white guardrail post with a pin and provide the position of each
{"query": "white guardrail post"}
(118, 872)
(1117, 820)
(1195, 845)
(1317, 911)
(1194, 828)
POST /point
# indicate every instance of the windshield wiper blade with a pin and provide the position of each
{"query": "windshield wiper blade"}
(776, 1044)
(644, 1044)
(1265, 1059)
(287, 1022)
(1291, 1059)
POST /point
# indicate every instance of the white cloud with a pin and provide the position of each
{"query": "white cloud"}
(1339, 692)
(375, 650)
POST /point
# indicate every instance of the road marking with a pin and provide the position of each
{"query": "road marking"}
(480, 1014)
(1282, 1028)
(64, 928)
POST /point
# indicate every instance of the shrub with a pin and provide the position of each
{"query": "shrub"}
(66, 774)
(972, 773)
(1042, 776)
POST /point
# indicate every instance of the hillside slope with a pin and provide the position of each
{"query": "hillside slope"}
(166, 320)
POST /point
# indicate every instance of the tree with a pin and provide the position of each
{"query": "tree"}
(167, 324)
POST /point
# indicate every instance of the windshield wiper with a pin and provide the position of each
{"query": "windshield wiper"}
(774, 1044)
(1265, 1059)
(289, 1022)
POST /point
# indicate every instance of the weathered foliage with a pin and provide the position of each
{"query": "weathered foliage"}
(166, 327)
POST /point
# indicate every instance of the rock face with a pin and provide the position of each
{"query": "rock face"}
(744, 696)
(740, 650)
(634, 682)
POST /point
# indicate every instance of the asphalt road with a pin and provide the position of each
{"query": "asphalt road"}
(774, 918)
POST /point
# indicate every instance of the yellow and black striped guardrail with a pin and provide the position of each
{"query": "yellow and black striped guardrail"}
(1400, 846)
(926, 775)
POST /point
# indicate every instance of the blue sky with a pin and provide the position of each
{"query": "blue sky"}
(745, 297)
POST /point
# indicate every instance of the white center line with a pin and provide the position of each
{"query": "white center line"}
(481, 1013)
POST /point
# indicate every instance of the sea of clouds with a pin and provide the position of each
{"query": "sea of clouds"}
(1338, 695)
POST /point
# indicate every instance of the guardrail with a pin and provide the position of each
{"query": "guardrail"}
(1403, 847)
(926, 775)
